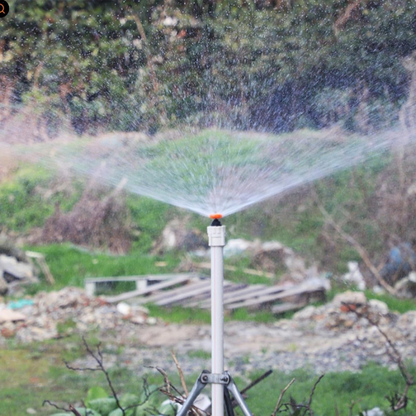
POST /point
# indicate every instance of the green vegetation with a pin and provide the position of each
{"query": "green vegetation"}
(130, 65)
(49, 379)
(335, 393)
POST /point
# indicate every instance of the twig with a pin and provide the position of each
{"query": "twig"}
(70, 408)
(351, 406)
(282, 393)
(256, 381)
(308, 406)
(361, 250)
(396, 357)
(181, 376)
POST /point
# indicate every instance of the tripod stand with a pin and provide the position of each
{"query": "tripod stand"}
(221, 381)
(224, 380)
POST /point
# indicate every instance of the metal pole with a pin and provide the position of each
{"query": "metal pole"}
(216, 234)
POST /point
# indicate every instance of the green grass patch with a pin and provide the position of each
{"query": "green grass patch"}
(70, 265)
(334, 393)
(31, 374)
(180, 315)
(394, 304)
(205, 355)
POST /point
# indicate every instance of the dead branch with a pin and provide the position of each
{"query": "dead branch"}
(351, 406)
(345, 16)
(70, 408)
(100, 362)
(185, 389)
(308, 406)
(360, 249)
(282, 393)
(256, 381)
(397, 402)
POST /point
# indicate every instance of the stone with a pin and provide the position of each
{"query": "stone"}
(138, 320)
(350, 298)
(376, 411)
(378, 307)
(31, 411)
(18, 270)
(7, 315)
(124, 308)
(305, 314)
(3, 285)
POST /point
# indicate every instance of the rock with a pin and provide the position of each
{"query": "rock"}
(31, 411)
(124, 308)
(378, 307)
(305, 314)
(138, 320)
(354, 275)
(16, 270)
(7, 315)
(7, 331)
(352, 299)
(4, 288)
(238, 246)
(177, 236)
(152, 320)
(406, 287)
(376, 411)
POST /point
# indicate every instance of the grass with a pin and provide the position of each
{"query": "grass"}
(70, 265)
(335, 393)
(31, 374)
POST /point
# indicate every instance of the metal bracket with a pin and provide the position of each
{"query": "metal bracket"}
(210, 378)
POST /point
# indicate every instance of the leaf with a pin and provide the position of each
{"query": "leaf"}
(144, 410)
(87, 412)
(104, 405)
(168, 409)
(116, 412)
(94, 393)
(129, 399)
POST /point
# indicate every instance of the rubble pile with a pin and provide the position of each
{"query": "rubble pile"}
(15, 267)
(348, 310)
(56, 314)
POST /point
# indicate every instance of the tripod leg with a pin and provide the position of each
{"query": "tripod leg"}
(238, 397)
(228, 404)
(194, 393)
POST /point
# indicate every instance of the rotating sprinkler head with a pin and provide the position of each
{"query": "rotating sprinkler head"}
(216, 218)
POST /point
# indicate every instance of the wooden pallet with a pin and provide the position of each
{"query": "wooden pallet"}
(194, 290)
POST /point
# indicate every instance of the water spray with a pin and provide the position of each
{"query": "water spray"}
(221, 381)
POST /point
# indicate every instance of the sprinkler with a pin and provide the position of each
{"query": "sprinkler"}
(221, 381)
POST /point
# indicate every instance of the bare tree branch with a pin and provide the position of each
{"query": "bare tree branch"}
(282, 393)
(185, 389)
(361, 250)
(401, 401)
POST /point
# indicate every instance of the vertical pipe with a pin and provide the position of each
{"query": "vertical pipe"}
(216, 234)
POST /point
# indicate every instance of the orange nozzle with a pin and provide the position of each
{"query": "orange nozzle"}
(215, 216)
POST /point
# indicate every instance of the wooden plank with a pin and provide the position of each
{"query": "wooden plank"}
(206, 297)
(167, 293)
(154, 277)
(185, 295)
(149, 289)
(287, 306)
(182, 296)
(299, 290)
(243, 293)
